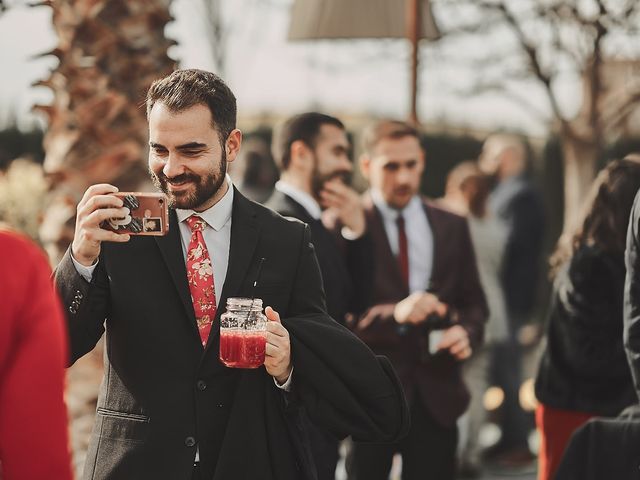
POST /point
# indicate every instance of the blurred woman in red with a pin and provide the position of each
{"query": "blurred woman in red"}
(33, 352)
(584, 370)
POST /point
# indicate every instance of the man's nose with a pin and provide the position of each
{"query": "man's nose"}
(173, 167)
(345, 164)
(404, 176)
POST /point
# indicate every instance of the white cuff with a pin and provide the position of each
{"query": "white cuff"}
(84, 271)
(286, 386)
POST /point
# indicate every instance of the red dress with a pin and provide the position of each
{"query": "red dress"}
(33, 352)
(556, 427)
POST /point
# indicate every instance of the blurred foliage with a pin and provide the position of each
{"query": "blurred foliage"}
(16, 143)
(22, 196)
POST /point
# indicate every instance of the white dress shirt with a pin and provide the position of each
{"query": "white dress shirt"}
(419, 238)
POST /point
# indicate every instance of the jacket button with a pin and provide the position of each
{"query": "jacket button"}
(189, 441)
(72, 309)
(202, 385)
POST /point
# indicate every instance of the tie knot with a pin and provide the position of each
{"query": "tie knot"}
(400, 221)
(196, 224)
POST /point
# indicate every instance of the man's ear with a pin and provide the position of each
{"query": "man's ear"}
(300, 153)
(232, 144)
(365, 164)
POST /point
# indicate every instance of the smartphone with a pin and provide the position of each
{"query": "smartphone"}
(149, 214)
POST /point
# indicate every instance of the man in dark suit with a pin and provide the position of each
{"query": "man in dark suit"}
(429, 308)
(312, 151)
(168, 408)
(519, 205)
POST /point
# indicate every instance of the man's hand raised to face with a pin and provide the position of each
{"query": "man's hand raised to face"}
(96, 206)
(277, 358)
(344, 203)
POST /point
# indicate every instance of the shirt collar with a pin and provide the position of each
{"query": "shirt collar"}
(217, 215)
(303, 198)
(391, 214)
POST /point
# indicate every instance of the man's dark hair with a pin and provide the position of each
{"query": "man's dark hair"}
(184, 89)
(393, 129)
(305, 127)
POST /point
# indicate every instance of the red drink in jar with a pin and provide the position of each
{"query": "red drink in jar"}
(241, 349)
(243, 335)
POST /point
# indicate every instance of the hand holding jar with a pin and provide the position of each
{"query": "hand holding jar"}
(249, 339)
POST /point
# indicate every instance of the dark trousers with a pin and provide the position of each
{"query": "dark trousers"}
(428, 452)
(506, 372)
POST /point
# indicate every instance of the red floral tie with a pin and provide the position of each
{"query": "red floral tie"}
(200, 278)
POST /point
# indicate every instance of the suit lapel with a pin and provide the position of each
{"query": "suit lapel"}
(171, 249)
(245, 232)
(385, 259)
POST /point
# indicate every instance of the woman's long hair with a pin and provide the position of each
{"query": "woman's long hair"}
(474, 185)
(605, 217)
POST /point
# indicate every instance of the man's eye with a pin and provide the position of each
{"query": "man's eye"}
(192, 152)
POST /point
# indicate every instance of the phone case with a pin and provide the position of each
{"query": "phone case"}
(149, 214)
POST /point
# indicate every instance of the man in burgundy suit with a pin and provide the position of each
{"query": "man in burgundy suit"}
(429, 308)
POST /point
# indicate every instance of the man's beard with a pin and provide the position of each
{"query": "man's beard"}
(205, 187)
(319, 179)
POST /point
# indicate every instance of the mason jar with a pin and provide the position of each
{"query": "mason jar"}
(243, 333)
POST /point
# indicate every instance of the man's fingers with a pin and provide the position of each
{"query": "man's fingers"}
(100, 201)
(272, 315)
(464, 354)
(102, 235)
(276, 328)
(98, 189)
(459, 347)
(100, 215)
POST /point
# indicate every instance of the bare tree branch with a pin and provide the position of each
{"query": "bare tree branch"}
(505, 92)
(531, 53)
(619, 109)
(216, 33)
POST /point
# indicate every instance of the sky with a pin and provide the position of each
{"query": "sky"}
(270, 75)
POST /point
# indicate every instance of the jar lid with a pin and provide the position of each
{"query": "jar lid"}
(244, 302)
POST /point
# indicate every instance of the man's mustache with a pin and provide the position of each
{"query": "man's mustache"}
(344, 176)
(185, 177)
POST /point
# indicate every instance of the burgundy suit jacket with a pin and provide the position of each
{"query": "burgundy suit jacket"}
(435, 380)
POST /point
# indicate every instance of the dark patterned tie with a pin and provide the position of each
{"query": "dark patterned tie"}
(403, 250)
(200, 278)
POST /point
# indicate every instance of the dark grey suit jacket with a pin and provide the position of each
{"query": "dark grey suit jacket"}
(163, 393)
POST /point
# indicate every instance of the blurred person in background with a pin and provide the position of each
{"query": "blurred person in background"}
(518, 204)
(466, 194)
(312, 151)
(33, 351)
(584, 370)
(428, 310)
(254, 172)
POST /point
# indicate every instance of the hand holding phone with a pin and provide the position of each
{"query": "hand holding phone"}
(148, 214)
